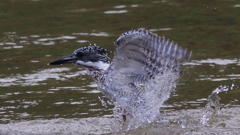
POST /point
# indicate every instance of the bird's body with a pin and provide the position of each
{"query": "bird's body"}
(141, 58)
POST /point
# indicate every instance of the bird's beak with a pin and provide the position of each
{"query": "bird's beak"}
(65, 60)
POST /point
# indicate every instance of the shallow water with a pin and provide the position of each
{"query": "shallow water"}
(40, 99)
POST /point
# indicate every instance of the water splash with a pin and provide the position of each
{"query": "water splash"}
(105, 102)
(213, 106)
(153, 95)
(143, 107)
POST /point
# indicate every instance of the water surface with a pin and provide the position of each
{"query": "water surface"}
(36, 32)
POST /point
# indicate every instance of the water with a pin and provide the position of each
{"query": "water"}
(39, 99)
(143, 107)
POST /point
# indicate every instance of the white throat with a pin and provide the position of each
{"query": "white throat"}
(98, 65)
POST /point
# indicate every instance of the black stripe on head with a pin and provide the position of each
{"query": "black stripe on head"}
(101, 50)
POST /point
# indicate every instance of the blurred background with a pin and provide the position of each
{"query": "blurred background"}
(35, 32)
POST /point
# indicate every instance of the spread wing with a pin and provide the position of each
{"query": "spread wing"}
(140, 55)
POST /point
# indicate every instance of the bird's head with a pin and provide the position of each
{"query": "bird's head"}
(91, 57)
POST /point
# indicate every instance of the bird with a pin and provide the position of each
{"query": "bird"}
(140, 57)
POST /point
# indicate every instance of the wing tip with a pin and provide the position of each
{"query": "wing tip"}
(187, 55)
(180, 53)
(133, 32)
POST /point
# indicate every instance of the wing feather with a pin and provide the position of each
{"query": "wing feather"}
(140, 55)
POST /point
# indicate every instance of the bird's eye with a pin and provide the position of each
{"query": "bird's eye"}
(79, 54)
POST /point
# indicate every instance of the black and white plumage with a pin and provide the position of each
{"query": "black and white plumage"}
(139, 58)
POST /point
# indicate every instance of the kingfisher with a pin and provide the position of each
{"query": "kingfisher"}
(139, 58)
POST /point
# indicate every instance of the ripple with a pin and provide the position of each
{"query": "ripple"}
(18, 46)
(237, 5)
(68, 37)
(34, 61)
(218, 78)
(68, 88)
(214, 79)
(76, 103)
(56, 38)
(120, 6)
(220, 65)
(59, 103)
(104, 34)
(115, 12)
(82, 41)
(59, 126)
(37, 77)
(35, 36)
(7, 48)
(179, 122)
(9, 43)
(135, 5)
(81, 33)
(13, 41)
(160, 29)
(214, 61)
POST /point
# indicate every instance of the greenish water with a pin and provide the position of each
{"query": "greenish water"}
(33, 33)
